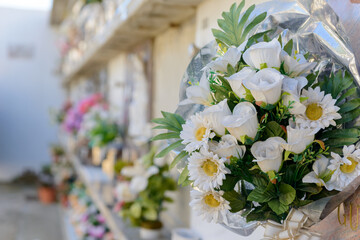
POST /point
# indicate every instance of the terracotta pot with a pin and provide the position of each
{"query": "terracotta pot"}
(150, 230)
(47, 195)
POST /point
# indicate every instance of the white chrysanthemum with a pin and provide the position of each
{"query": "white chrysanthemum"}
(320, 110)
(196, 133)
(207, 170)
(210, 205)
(345, 168)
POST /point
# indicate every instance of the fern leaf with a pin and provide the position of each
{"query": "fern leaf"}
(234, 30)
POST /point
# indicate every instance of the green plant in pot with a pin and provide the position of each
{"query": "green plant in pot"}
(101, 134)
(46, 190)
(142, 199)
(57, 151)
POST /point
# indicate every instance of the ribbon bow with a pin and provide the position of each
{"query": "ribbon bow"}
(291, 229)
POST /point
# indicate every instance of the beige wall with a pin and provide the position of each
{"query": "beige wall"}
(171, 57)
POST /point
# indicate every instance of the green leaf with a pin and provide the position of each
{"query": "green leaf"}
(341, 133)
(259, 181)
(347, 94)
(229, 182)
(311, 79)
(277, 206)
(273, 129)
(236, 200)
(261, 194)
(350, 105)
(163, 136)
(178, 158)
(340, 142)
(135, 210)
(310, 188)
(234, 32)
(289, 47)
(169, 148)
(170, 128)
(287, 194)
(183, 175)
(172, 119)
(150, 214)
(258, 19)
(349, 116)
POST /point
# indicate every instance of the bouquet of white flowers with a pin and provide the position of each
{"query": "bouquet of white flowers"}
(273, 134)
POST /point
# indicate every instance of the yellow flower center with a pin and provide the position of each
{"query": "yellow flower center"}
(199, 134)
(211, 201)
(210, 168)
(345, 168)
(314, 111)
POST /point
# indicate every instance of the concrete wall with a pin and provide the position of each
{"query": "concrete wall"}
(28, 88)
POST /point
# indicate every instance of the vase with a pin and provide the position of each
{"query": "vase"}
(150, 230)
(47, 195)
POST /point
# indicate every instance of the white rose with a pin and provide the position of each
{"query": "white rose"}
(296, 66)
(265, 85)
(199, 94)
(232, 57)
(215, 115)
(293, 86)
(263, 55)
(243, 121)
(298, 139)
(268, 154)
(236, 81)
(228, 147)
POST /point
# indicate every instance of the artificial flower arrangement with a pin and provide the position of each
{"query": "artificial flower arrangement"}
(98, 127)
(142, 193)
(273, 135)
(74, 115)
(88, 222)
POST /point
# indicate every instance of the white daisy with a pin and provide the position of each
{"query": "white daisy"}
(320, 110)
(207, 170)
(210, 205)
(227, 147)
(196, 133)
(345, 168)
(320, 172)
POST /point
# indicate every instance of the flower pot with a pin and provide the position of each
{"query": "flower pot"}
(150, 230)
(47, 195)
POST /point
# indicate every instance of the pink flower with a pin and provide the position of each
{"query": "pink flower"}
(96, 231)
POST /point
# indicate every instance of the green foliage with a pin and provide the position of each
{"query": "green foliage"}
(103, 133)
(235, 32)
(273, 129)
(173, 123)
(289, 47)
(236, 200)
(148, 205)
